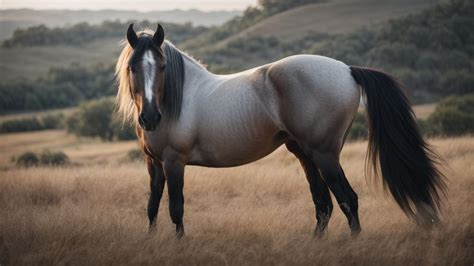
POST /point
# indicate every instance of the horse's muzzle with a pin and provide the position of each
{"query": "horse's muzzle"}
(149, 121)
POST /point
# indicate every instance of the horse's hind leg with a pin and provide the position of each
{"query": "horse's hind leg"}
(336, 180)
(319, 189)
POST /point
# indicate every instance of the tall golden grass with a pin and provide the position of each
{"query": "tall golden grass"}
(260, 213)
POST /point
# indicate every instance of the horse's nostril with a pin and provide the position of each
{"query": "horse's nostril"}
(142, 119)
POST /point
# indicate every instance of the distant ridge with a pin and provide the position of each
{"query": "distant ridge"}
(11, 19)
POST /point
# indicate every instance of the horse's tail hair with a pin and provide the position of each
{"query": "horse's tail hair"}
(397, 150)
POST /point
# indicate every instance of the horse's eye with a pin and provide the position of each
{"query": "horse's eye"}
(162, 67)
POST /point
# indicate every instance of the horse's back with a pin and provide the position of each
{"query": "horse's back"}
(319, 97)
(320, 75)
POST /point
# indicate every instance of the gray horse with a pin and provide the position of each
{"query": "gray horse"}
(185, 115)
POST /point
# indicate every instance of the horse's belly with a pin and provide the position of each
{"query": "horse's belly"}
(226, 151)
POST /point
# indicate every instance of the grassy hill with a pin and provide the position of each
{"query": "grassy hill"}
(32, 62)
(333, 17)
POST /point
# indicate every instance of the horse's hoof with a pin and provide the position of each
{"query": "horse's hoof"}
(152, 228)
(319, 233)
(179, 231)
(355, 232)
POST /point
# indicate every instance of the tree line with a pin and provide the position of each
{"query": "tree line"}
(61, 87)
(81, 33)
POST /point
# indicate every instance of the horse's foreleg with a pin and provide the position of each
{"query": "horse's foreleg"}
(336, 180)
(174, 172)
(319, 189)
(157, 183)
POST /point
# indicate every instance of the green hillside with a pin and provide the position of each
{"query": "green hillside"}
(309, 17)
(33, 62)
(333, 17)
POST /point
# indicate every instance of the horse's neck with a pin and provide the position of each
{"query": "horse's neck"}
(197, 78)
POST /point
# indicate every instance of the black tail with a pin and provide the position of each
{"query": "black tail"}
(396, 147)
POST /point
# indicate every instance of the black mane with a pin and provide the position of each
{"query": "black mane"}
(174, 80)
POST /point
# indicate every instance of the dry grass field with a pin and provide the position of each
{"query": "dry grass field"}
(39, 114)
(94, 212)
(424, 110)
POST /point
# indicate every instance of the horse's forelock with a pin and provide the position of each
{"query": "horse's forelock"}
(145, 42)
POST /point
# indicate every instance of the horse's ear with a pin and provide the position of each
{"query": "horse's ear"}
(159, 35)
(132, 36)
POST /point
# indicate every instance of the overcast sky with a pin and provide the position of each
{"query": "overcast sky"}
(140, 5)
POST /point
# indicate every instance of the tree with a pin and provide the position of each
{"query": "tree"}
(453, 116)
(93, 119)
(96, 119)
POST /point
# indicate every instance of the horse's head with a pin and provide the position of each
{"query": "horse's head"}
(147, 75)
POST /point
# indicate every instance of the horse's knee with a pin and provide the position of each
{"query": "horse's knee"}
(176, 212)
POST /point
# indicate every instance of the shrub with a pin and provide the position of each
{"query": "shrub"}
(359, 129)
(135, 154)
(54, 158)
(96, 119)
(124, 132)
(93, 119)
(46, 158)
(426, 128)
(50, 121)
(358, 132)
(27, 159)
(21, 125)
(453, 116)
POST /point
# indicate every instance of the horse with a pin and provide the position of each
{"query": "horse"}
(186, 115)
